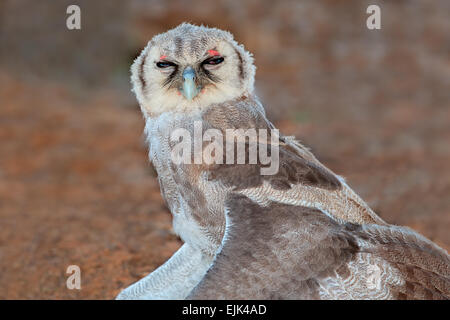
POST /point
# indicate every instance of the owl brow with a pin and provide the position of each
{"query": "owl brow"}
(213, 52)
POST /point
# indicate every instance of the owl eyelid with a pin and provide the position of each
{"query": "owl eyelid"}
(165, 64)
(214, 60)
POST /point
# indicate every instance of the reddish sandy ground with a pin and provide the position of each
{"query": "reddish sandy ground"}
(76, 186)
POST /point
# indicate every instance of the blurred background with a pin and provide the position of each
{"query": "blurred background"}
(76, 187)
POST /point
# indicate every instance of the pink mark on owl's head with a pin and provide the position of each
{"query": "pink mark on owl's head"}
(162, 57)
(213, 52)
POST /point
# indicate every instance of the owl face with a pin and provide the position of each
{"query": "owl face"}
(189, 68)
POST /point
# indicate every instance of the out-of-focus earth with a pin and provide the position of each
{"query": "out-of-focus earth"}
(76, 187)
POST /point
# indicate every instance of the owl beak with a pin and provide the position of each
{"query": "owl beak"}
(189, 89)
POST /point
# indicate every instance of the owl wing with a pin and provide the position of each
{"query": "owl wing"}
(300, 179)
(411, 266)
(291, 252)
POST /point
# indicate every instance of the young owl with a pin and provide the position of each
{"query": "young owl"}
(299, 233)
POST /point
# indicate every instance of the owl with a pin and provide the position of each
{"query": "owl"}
(299, 232)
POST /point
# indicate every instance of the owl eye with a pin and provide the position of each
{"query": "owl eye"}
(214, 61)
(164, 64)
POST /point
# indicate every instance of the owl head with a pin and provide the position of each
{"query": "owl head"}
(191, 67)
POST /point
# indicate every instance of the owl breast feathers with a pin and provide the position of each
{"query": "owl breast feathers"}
(299, 233)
